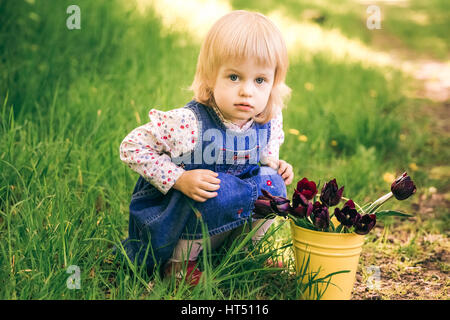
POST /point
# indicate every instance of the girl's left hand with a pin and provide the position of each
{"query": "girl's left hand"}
(286, 172)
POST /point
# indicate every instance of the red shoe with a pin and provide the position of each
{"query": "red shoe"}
(192, 273)
(270, 263)
(192, 276)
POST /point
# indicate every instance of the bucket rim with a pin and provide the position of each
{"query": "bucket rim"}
(329, 234)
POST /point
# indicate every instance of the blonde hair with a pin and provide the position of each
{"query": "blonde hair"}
(237, 36)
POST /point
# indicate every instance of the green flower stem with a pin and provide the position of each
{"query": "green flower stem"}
(377, 203)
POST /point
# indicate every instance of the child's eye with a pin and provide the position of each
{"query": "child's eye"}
(233, 77)
(260, 80)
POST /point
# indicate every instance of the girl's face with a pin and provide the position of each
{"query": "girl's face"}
(242, 89)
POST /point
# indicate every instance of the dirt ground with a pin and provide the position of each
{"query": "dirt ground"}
(405, 263)
(400, 277)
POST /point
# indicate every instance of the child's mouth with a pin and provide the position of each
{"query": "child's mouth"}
(243, 106)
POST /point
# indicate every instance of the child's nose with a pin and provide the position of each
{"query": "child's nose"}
(246, 89)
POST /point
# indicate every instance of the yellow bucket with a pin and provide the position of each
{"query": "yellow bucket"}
(328, 253)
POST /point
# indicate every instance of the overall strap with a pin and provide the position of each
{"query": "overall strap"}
(208, 119)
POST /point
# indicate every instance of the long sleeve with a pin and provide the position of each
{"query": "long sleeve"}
(272, 149)
(148, 149)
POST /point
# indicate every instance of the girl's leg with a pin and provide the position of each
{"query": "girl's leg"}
(188, 250)
(262, 225)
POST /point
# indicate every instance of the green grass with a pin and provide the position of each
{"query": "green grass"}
(69, 97)
(421, 26)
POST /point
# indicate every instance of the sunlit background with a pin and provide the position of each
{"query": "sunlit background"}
(305, 35)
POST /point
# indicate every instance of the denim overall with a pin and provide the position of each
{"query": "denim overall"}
(158, 221)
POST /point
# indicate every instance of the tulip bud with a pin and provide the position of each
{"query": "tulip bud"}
(302, 211)
(268, 203)
(403, 187)
(281, 206)
(262, 208)
(299, 199)
(330, 194)
(320, 216)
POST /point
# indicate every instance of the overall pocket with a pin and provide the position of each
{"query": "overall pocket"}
(234, 162)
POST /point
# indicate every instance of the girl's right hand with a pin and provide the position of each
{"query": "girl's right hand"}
(198, 184)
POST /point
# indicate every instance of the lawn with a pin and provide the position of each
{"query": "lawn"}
(69, 97)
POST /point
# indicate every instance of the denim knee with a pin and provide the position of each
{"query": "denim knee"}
(269, 180)
(265, 171)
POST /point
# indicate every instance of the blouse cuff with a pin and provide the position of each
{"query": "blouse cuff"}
(165, 183)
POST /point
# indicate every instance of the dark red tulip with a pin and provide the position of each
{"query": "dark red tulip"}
(306, 188)
(299, 199)
(330, 194)
(268, 203)
(281, 206)
(403, 187)
(262, 208)
(302, 211)
(365, 224)
(320, 215)
(348, 216)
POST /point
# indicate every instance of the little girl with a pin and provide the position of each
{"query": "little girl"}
(216, 153)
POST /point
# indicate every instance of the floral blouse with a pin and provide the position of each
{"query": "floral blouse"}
(148, 149)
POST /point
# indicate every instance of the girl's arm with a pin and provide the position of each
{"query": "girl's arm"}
(270, 153)
(148, 149)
